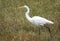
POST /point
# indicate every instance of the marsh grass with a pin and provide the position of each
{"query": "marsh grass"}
(15, 27)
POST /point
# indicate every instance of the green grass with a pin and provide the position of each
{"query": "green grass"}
(15, 27)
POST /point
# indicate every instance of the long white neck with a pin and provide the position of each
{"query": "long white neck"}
(27, 13)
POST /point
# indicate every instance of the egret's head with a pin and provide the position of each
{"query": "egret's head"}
(23, 6)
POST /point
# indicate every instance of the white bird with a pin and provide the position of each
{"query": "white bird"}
(37, 20)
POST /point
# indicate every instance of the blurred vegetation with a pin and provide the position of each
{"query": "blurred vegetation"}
(15, 27)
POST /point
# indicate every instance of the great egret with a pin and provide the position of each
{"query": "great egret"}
(38, 21)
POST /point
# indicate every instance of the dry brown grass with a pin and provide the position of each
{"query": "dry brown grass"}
(15, 27)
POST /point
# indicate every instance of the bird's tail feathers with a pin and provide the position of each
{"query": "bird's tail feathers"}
(50, 22)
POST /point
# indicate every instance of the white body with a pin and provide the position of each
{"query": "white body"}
(38, 21)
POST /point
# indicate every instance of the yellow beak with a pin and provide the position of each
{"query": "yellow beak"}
(20, 7)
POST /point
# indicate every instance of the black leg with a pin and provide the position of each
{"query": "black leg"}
(39, 30)
(48, 29)
(50, 33)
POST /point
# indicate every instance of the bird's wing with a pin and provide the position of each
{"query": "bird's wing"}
(39, 20)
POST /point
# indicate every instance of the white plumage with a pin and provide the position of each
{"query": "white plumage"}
(37, 20)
